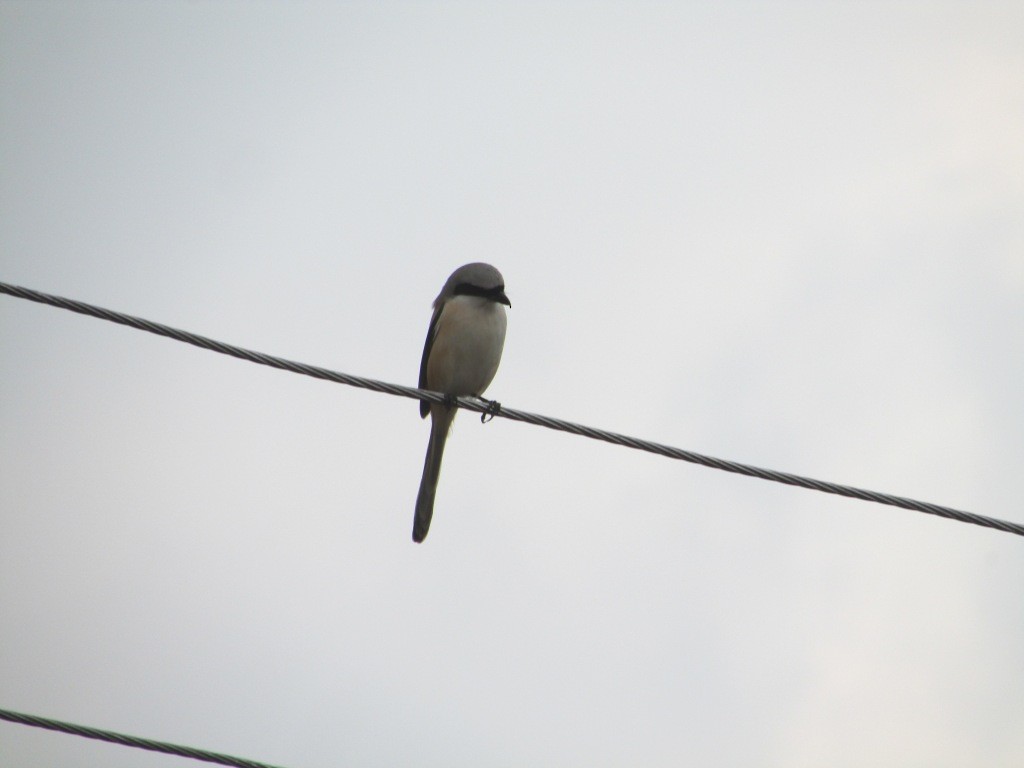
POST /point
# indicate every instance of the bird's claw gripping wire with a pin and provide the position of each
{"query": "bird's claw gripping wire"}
(493, 409)
(493, 406)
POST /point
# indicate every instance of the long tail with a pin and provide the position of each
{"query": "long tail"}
(441, 418)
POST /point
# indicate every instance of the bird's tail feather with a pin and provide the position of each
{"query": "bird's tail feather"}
(441, 419)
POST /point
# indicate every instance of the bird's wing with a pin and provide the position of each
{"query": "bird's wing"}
(427, 346)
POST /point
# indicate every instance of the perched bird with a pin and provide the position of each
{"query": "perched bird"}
(461, 356)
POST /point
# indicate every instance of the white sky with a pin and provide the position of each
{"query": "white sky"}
(785, 234)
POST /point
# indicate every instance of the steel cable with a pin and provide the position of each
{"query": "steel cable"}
(130, 741)
(493, 409)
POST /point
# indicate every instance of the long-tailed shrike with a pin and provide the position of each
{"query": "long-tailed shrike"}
(461, 356)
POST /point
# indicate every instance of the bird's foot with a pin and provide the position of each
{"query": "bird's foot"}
(493, 409)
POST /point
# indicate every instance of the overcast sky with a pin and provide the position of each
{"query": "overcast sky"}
(788, 234)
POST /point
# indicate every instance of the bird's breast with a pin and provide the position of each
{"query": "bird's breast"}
(468, 341)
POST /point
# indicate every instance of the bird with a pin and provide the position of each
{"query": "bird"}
(460, 357)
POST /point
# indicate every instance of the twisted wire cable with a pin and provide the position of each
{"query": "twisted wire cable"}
(130, 741)
(488, 408)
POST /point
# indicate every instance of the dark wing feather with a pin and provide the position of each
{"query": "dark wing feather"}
(427, 346)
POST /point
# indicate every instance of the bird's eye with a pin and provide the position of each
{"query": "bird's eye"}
(468, 289)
